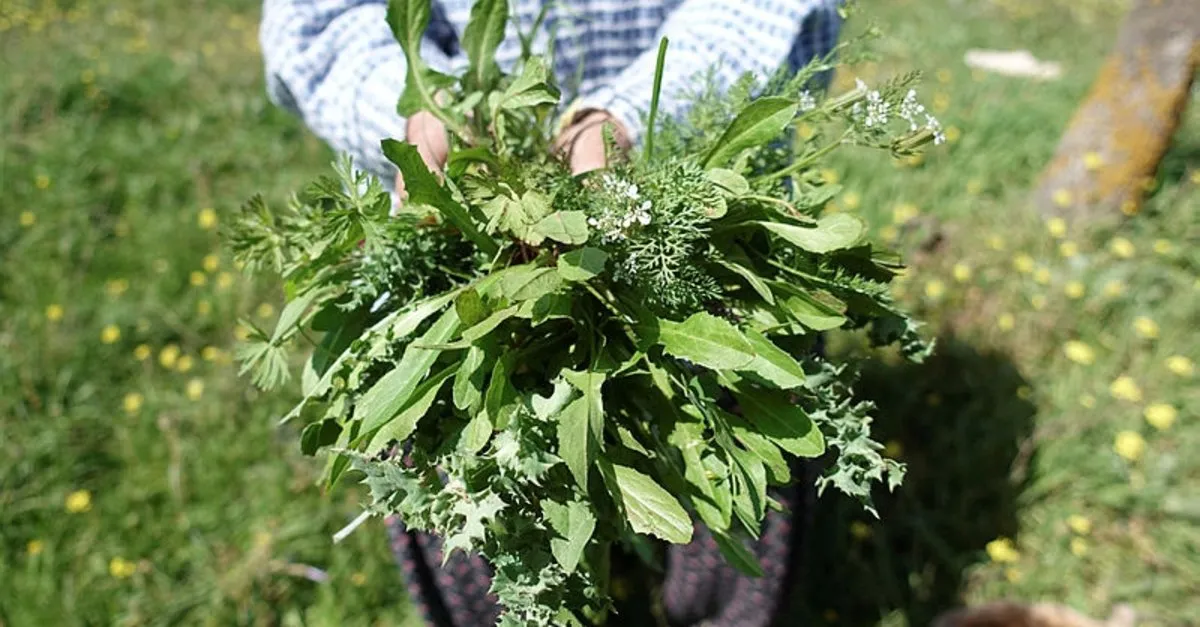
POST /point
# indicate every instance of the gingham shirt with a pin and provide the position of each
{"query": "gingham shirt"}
(336, 64)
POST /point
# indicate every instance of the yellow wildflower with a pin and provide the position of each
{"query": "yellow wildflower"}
(1057, 227)
(1002, 550)
(1080, 525)
(1042, 276)
(889, 233)
(1145, 327)
(35, 547)
(265, 310)
(1023, 263)
(54, 312)
(860, 530)
(210, 353)
(142, 352)
(1006, 322)
(830, 176)
(78, 501)
(359, 579)
(944, 76)
(184, 364)
(1163, 246)
(27, 218)
(197, 278)
(941, 102)
(1130, 207)
(211, 263)
(1122, 247)
(953, 134)
(1195, 177)
(1093, 161)
(116, 287)
(1179, 365)
(1079, 547)
(974, 187)
(242, 333)
(1124, 388)
(1114, 288)
(195, 389)
(1062, 198)
(1129, 445)
(1079, 352)
(806, 131)
(1088, 401)
(1038, 302)
(904, 212)
(852, 200)
(1013, 575)
(207, 219)
(203, 308)
(168, 356)
(110, 334)
(934, 289)
(1160, 416)
(121, 568)
(42, 181)
(133, 402)
(962, 272)
(1074, 290)
(1068, 249)
(224, 280)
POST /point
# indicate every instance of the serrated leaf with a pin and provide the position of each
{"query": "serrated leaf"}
(575, 522)
(764, 449)
(833, 232)
(650, 509)
(706, 340)
(773, 363)
(759, 123)
(481, 38)
(545, 407)
(470, 307)
(567, 227)
(582, 264)
(785, 423)
(575, 441)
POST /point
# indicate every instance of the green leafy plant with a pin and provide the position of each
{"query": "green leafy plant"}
(538, 366)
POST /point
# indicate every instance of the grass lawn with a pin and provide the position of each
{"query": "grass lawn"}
(1052, 443)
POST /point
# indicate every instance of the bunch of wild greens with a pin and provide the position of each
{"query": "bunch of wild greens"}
(538, 366)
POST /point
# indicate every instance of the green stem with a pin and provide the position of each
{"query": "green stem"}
(807, 161)
(658, 78)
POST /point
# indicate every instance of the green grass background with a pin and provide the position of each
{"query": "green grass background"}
(140, 490)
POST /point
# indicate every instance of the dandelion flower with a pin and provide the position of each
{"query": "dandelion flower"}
(962, 272)
(210, 353)
(1145, 327)
(224, 280)
(1080, 525)
(211, 263)
(1023, 263)
(1074, 290)
(207, 219)
(889, 233)
(953, 134)
(359, 579)
(1163, 246)
(241, 333)
(1160, 416)
(904, 212)
(133, 402)
(1057, 227)
(42, 181)
(1006, 322)
(1041, 276)
(860, 530)
(1079, 547)
(168, 356)
(1002, 551)
(54, 312)
(1013, 575)
(1195, 177)
(194, 389)
(1122, 247)
(197, 278)
(78, 501)
(1130, 207)
(1124, 388)
(1129, 445)
(121, 568)
(27, 218)
(35, 547)
(830, 176)
(1087, 401)
(184, 364)
(1114, 288)
(1179, 365)
(110, 334)
(1062, 198)
(203, 308)
(1068, 249)
(934, 289)
(1092, 161)
(265, 310)
(852, 200)
(116, 287)
(1079, 352)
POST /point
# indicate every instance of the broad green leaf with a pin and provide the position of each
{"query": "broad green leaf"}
(575, 522)
(706, 340)
(531, 88)
(590, 383)
(532, 283)
(407, 321)
(470, 307)
(309, 377)
(760, 122)
(319, 434)
(383, 400)
(500, 400)
(336, 340)
(810, 312)
(575, 441)
(294, 311)
(405, 422)
(476, 434)
(481, 38)
(468, 381)
(762, 448)
(750, 495)
(785, 423)
(408, 20)
(773, 363)
(833, 232)
(582, 264)
(730, 181)
(737, 555)
(546, 407)
(489, 324)
(755, 282)
(650, 509)
(567, 227)
(687, 438)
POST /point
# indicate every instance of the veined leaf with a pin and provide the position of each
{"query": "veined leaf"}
(760, 122)
(784, 422)
(773, 363)
(481, 38)
(755, 282)
(809, 311)
(476, 434)
(575, 441)
(488, 324)
(567, 227)
(650, 509)
(383, 400)
(575, 522)
(318, 434)
(590, 383)
(531, 88)
(531, 283)
(706, 340)
(290, 317)
(833, 232)
(582, 264)
(468, 382)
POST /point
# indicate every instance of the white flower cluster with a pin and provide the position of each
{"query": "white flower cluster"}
(911, 110)
(627, 211)
(875, 112)
(807, 101)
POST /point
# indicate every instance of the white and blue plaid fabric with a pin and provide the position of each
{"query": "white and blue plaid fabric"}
(336, 65)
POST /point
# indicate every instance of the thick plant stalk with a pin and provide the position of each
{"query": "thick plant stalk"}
(1116, 139)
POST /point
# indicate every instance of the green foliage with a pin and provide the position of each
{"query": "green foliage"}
(595, 328)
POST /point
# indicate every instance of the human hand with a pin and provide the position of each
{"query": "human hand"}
(428, 134)
(581, 144)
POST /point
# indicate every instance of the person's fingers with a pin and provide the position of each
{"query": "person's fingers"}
(582, 145)
(428, 134)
